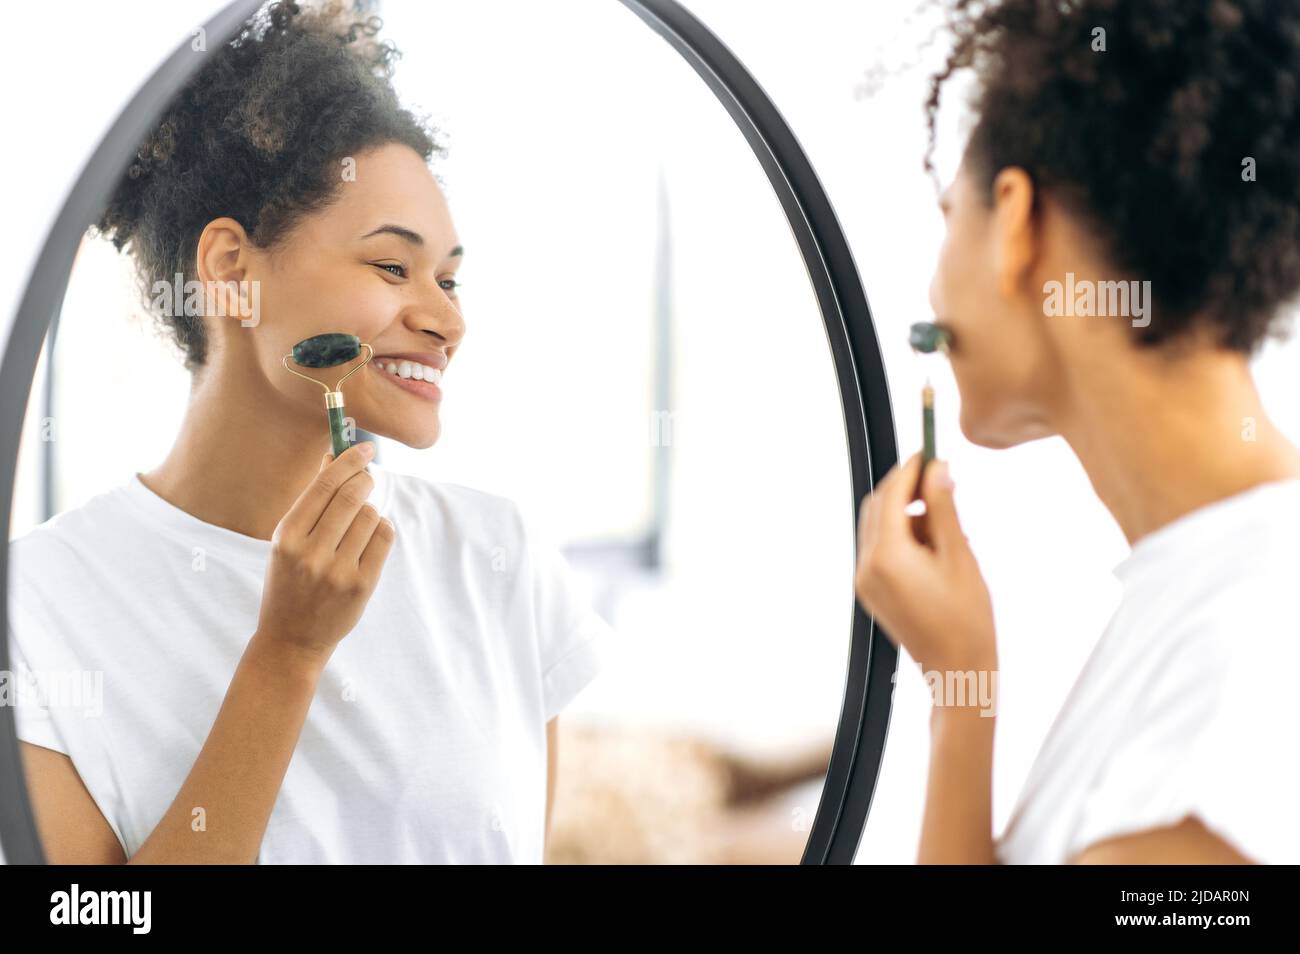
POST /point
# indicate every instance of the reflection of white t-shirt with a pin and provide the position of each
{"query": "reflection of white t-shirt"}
(1187, 704)
(426, 739)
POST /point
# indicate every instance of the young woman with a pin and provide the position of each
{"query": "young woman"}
(1154, 141)
(303, 659)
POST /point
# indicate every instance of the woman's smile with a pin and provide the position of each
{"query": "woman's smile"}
(419, 373)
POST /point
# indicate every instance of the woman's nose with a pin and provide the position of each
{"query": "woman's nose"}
(936, 299)
(441, 318)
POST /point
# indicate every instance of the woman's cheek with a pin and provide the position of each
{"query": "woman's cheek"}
(939, 294)
(364, 308)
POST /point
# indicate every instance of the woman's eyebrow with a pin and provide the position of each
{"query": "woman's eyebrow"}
(415, 238)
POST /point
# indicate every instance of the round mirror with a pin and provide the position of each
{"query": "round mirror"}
(610, 366)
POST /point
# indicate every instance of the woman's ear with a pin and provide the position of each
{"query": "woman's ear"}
(1015, 230)
(222, 259)
(221, 255)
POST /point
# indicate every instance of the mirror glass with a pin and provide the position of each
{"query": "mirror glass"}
(644, 373)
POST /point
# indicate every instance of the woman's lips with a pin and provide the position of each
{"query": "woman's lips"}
(424, 389)
(434, 359)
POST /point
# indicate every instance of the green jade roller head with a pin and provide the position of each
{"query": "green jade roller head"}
(928, 337)
(330, 351)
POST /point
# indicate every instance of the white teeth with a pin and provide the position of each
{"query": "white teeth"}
(412, 371)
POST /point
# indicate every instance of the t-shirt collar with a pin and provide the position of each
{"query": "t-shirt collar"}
(183, 525)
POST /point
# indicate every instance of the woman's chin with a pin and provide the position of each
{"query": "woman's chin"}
(420, 436)
(999, 435)
(425, 440)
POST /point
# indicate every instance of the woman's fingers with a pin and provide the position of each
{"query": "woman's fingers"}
(881, 514)
(358, 534)
(311, 503)
(376, 551)
(341, 512)
(893, 495)
(868, 529)
(885, 525)
(942, 523)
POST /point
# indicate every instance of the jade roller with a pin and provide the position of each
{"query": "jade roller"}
(927, 337)
(330, 351)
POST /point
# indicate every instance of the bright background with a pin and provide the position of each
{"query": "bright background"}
(595, 181)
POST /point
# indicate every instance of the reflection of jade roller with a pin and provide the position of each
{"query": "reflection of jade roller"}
(329, 351)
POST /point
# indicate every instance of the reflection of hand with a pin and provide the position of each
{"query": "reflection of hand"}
(918, 576)
(326, 556)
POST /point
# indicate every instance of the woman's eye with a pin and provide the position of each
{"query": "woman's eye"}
(450, 284)
(401, 269)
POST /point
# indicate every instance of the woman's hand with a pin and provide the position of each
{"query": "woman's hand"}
(918, 577)
(326, 555)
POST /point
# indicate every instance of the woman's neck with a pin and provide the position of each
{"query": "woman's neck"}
(1160, 437)
(243, 455)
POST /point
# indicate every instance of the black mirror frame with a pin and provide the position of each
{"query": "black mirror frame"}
(864, 393)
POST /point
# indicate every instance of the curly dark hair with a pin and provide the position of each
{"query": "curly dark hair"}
(1148, 141)
(259, 134)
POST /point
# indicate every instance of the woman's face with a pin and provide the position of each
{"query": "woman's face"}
(1003, 354)
(380, 263)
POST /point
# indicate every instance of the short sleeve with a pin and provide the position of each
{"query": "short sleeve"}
(574, 642)
(1215, 738)
(59, 701)
(33, 720)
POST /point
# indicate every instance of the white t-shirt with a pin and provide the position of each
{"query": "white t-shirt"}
(426, 739)
(1186, 704)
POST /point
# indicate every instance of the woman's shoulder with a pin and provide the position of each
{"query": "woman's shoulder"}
(1253, 607)
(1210, 721)
(75, 531)
(1222, 636)
(1230, 593)
(55, 566)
